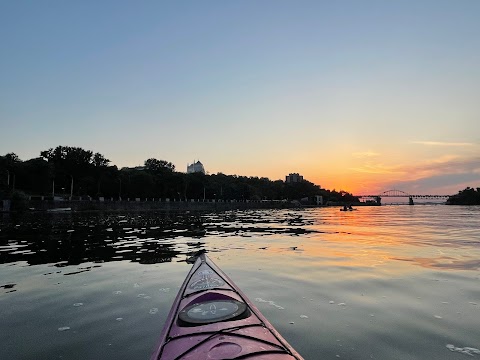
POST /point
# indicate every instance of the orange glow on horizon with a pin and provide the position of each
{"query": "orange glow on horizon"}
(356, 185)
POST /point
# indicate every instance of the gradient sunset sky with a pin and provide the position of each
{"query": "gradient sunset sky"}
(363, 96)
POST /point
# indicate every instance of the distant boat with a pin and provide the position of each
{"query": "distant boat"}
(347, 209)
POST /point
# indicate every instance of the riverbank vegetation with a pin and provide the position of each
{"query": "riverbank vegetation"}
(468, 196)
(72, 171)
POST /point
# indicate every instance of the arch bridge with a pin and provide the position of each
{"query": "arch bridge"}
(394, 193)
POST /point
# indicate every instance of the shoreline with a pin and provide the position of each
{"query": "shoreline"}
(60, 205)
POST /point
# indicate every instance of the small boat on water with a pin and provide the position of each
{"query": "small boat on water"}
(211, 318)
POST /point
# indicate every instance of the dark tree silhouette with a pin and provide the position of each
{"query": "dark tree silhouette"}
(77, 171)
(468, 196)
(159, 166)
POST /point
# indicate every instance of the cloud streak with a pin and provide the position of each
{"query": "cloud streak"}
(441, 175)
(449, 165)
(446, 174)
(443, 143)
(371, 168)
(365, 154)
(440, 166)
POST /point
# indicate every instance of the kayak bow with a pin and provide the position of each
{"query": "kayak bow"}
(212, 319)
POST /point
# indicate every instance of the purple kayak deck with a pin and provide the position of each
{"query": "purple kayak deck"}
(212, 319)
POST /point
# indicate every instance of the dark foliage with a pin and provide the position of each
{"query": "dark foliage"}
(66, 171)
(468, 196)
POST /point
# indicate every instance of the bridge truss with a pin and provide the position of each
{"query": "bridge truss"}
(399, 194)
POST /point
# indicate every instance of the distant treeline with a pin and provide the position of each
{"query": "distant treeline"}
(66, 171)
(469, 196)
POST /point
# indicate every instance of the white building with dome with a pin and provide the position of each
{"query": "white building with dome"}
(197, 166)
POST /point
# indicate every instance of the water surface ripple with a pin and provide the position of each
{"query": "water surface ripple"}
(390, 282)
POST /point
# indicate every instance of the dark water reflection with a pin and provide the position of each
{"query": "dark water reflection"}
(378, 283)
(148, 238)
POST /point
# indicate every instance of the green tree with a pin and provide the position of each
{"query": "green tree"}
(34, 176)
(468, 196)
(100, 165)
(9, 164)
(74, 166)
(158, 166)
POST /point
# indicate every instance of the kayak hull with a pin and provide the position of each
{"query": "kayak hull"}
(212, 319)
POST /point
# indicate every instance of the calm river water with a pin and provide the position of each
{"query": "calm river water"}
(390, 282)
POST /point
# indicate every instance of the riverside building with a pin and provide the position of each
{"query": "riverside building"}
(197, 166)
(293, 178)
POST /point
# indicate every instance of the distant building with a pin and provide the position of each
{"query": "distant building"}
(293, 178)
(195, 167)
(137, 168)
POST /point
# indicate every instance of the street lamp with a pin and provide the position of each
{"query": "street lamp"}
(120, 189)
(71, 188)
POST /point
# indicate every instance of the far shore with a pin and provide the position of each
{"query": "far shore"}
(59, 204)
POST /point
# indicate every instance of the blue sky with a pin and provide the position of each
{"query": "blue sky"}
(354, 95)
